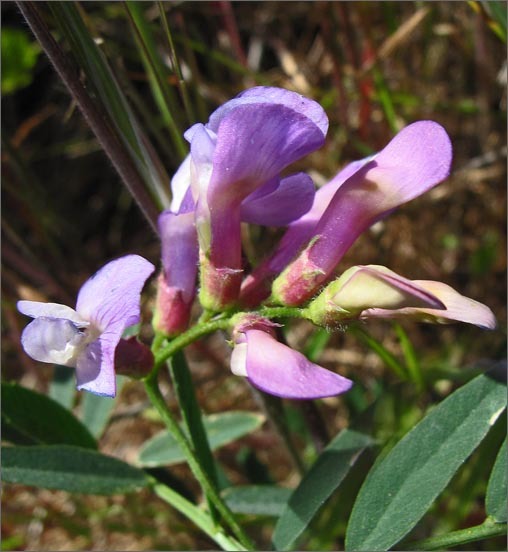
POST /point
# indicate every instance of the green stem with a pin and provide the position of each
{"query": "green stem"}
(197, 516)
(156, 398)
(191, 414)
(189, 337)
(489, 528)
(204, 328)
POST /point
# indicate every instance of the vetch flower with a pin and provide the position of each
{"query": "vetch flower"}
(256, 287)
(374, 291)
(279, 370)
(240, 153)
(86, 338)
(176, 285)
(415, 160)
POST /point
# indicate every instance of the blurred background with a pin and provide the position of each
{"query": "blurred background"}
(375, 67)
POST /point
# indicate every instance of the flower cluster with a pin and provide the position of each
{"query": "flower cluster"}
(233, 175)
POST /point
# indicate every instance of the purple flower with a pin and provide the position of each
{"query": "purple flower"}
(373, 291)
(235, 164)
(176, 285)
(256, 287)
(415, 160)
(279, 370)
(86, 338)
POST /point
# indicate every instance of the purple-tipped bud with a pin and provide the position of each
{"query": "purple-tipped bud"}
(172, 312)
(133, 358)
(376, 292)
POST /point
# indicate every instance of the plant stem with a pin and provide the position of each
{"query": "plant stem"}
(156, 398)
(187, 338)
(191, 414)
(489, 528)
(105, 134)
(197, 516)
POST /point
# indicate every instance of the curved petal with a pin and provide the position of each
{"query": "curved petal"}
(266, 94)
(458, 308)
(50, 310)
(112, 295)
(291, 199)
(95, 367)
(417, 159)
(284, 372)
(53, 340)
(254, 143)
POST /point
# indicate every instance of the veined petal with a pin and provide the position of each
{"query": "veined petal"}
(112, 295)
(458, 308)
(95, 367)
(50, 310)
(290, 199)
(284, 372)
(53, 340)
(254, 144)
(272, 95)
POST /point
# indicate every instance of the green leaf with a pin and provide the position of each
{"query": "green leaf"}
(497, 490)
(31, 418)
(162, 449)
(72, 469)
(62, 388)
(401, 487)
(319, 483)
(96, 410)
(260, 500)
(19, 55)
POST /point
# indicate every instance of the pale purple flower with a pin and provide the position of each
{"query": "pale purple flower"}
(373, 291)
(86, 338)
(176, 285)
(415, 160)
(279, 370)
(240, 153)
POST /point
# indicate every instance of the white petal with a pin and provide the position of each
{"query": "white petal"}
(50, 310)
(53, 340)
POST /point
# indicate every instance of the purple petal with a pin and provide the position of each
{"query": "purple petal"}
(111, 297)
(284, 372)
(50, 310)
(278, 136)
(95, 369)
(53, 340)
(458, 308)
(417, 159)
(271, 95)
(256, 287)
(179, 252)
(291, 199)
